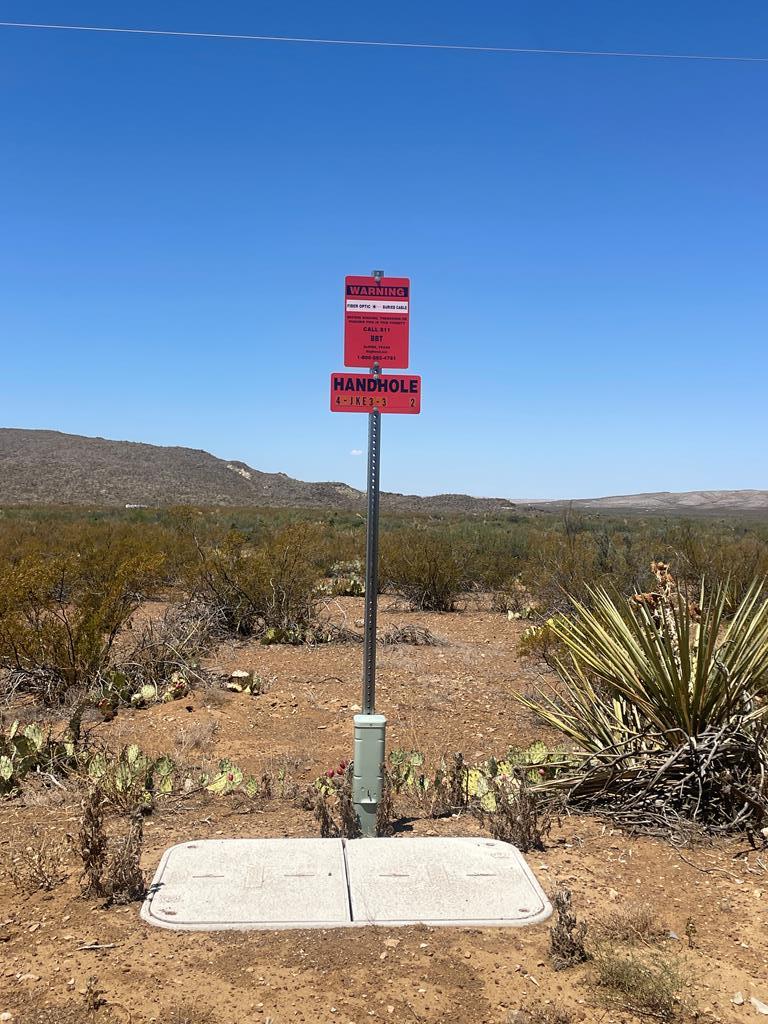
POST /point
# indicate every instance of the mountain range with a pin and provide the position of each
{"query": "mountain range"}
(46, 467)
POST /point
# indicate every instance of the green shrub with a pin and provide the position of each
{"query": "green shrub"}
(424, 567)
(60, 612)
(267, 589)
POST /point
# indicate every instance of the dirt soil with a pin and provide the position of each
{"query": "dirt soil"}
(711, 899)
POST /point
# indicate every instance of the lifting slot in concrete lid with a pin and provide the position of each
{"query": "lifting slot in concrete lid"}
(210, 885)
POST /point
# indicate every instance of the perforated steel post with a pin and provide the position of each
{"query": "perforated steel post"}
(370, 728)
(372, 559)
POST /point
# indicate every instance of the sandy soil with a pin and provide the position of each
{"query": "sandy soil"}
(438, 700)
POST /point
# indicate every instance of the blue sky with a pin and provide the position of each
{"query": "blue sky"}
(586, 237)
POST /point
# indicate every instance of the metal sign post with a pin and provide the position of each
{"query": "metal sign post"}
(370, 728)
(372, 558)
(376, 316)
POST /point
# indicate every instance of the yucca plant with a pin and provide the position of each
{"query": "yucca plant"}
(679, 671)
(667, 696)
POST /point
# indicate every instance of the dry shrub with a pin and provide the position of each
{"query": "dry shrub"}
(632, 923)
(456, 782)
(110, 869)
(315, 802)
(518, 817)
(173, 643)
(333, 809)
(40, 865)
(92, 843)
(279, 779)
(648, 985)
(38, 791)
(385, 811)
(93, 997)
(124, 881)
(567, 934)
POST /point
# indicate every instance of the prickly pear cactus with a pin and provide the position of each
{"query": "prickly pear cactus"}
(228, 777)
(163, 772)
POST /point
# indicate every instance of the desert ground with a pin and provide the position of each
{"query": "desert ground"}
(69, 958)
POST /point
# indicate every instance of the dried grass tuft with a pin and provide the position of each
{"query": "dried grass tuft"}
(410, 634)
(40, 865)
(650, 985)
(631, 923)
(551, 1013)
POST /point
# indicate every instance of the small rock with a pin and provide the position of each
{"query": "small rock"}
(6, 1016)
(390, 1009)
(759, 1005)
(738, 998)
(392, 943)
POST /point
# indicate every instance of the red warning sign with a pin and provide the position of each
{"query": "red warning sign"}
(376, 321)
(364, 392)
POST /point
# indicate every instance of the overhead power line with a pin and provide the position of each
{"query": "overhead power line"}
(387, 43)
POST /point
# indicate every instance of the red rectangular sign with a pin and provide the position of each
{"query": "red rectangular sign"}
(376, 321)
(364, 392)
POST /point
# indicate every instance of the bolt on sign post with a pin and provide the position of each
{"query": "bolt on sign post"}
(376, 316)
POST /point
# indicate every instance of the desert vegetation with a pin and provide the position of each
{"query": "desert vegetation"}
(639, 655)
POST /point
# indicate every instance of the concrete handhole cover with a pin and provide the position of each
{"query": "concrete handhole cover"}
(442, 882)
(213, 884)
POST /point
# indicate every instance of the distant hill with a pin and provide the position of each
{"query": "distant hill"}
(45, 467)
(676, 502)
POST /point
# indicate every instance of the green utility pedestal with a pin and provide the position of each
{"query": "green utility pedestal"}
(367, 780)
